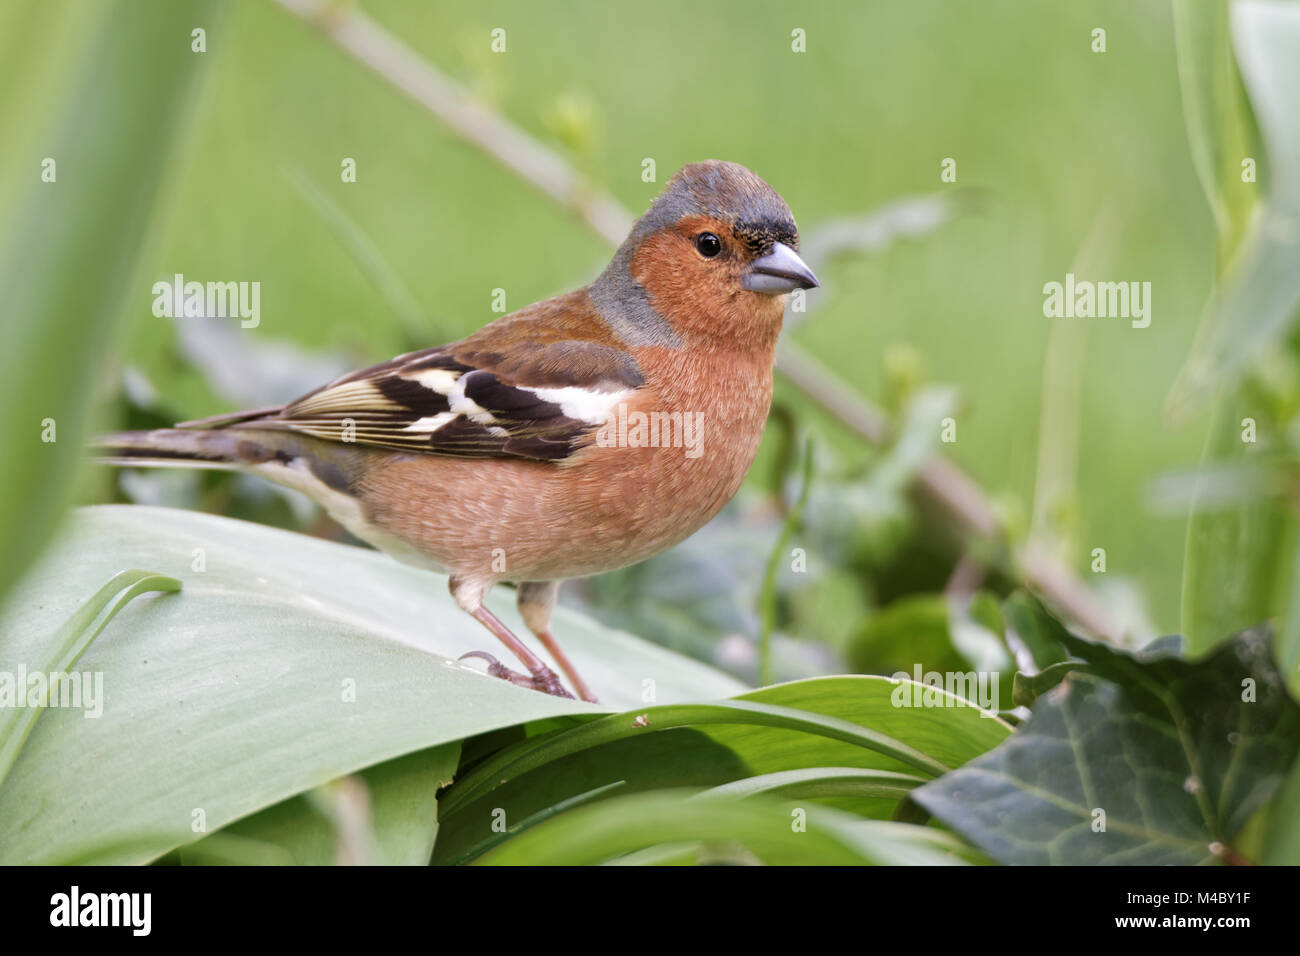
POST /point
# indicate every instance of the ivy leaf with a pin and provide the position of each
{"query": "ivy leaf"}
(1149, 759)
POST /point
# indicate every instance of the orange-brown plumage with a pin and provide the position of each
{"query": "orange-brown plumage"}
(520, 453)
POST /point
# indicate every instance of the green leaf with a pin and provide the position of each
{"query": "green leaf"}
(1259, 302)
(824, 782)
(403, 814)
(1219, 124)
(499, 836)
(1282, 845)
(605, 831)
(1238, 563)
(711, 754)
(1043, 636)
(288, 662)
(1040, 632)
(533, 754)
(65, 649)
(1029, 687)
(71, 249)
(1177, 754)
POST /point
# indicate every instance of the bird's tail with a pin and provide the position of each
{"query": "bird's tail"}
(309, 464)
(175, 447)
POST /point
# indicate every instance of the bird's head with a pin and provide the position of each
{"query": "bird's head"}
(714, 255)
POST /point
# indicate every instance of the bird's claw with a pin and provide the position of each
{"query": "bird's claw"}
(497, 669)
(543, 679)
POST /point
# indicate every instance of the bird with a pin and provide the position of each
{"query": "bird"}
(575, 436)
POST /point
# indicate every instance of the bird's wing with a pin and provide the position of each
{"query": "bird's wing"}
(538, 399)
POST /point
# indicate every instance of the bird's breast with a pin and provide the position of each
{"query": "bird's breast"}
(664, 462)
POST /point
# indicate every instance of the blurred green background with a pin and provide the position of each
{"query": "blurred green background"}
(1053, 140)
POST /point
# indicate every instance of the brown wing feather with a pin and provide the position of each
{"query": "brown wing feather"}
(514, 390)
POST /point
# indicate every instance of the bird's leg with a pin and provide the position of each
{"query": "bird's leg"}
(543, 678)
(536, 600)
(469, 595)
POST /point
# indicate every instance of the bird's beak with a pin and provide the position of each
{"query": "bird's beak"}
(781, 270)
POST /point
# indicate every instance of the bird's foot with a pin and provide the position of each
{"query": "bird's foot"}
(543, 679)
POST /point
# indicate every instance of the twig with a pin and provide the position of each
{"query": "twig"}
(832, 393)
(767, 598)
(410, 74)
(392, 60)
(965, 580)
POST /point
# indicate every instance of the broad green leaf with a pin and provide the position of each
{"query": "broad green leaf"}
(530, 755)
(758, 709)
(650, 756)
(287, 662)
(1152, 759)
(18, 715)
(70, 249)
(605, 831)
(403, 813)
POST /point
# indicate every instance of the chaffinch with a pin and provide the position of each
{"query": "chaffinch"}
(575, 436)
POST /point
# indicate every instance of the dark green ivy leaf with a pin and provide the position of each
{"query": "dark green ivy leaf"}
(1148, 759)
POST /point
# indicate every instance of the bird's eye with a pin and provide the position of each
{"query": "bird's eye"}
(708, 245)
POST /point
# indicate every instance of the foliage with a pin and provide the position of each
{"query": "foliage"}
(71, 248)
(374, 745)
(301, 701)
(1241, 557)
(1139, 758)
